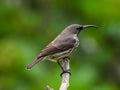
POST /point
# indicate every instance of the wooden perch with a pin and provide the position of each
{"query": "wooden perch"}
(48, 88)
(65, 76)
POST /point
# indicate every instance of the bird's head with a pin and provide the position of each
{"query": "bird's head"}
(76, 28)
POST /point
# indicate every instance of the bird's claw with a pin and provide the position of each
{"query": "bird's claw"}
(65, 71)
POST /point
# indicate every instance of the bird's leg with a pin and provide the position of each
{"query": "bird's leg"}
(58, 61)
(63, 71)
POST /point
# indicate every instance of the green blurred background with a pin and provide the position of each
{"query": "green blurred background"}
(27, 26)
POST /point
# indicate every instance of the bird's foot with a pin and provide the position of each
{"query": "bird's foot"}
(67, 58)
(65, 71)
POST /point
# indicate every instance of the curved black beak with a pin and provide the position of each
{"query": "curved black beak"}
(87, 26)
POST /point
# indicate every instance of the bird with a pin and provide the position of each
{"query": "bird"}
(62, 46)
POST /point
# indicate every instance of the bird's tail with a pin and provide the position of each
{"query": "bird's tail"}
(34, 62)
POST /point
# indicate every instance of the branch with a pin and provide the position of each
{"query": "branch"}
(65, 76)
(48, 88)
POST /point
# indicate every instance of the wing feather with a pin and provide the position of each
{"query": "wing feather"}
(57, 46)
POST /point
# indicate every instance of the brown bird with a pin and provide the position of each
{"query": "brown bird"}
(61, 46)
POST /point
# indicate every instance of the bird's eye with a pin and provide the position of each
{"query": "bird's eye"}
(79, 28)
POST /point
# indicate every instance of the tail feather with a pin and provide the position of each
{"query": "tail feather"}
(34, 63)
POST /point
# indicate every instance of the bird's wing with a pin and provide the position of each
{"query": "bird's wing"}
(57, 46)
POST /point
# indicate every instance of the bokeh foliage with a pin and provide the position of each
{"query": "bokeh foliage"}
(26, 26)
